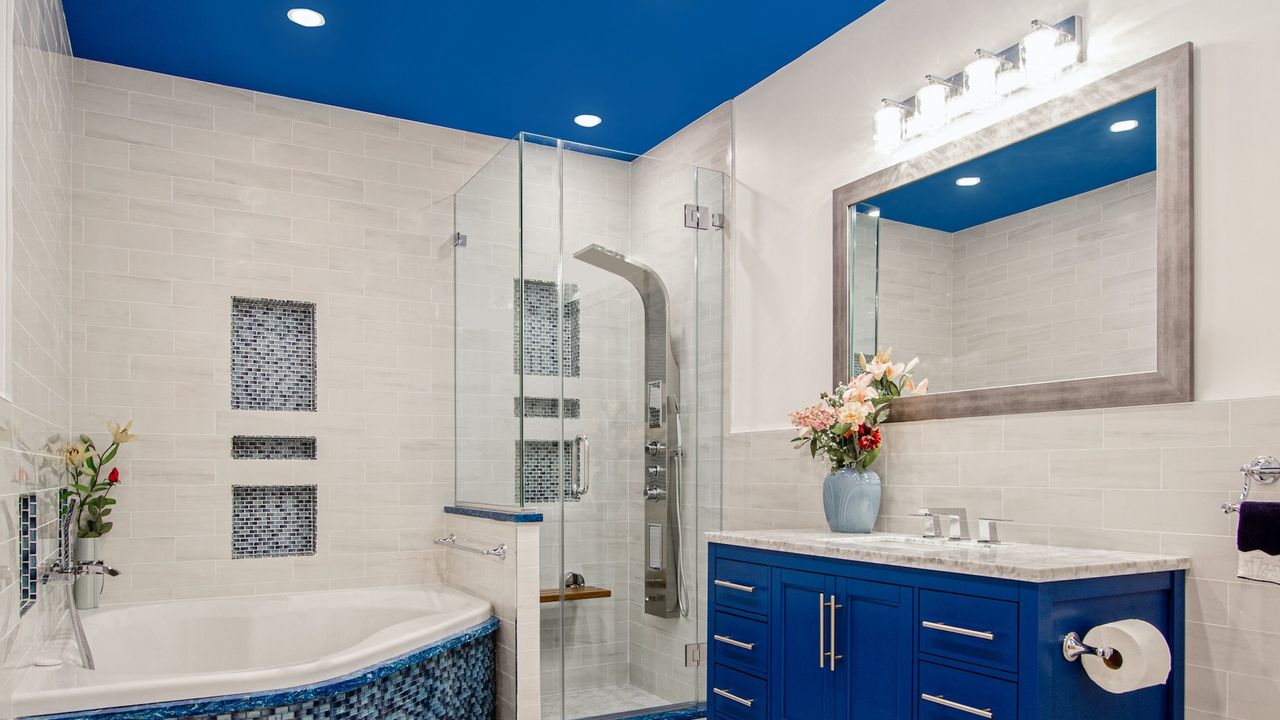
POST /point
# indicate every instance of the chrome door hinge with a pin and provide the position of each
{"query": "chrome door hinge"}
(695, 655)
(700, 217)
(459, 240)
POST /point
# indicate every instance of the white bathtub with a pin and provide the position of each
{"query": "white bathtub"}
(161, 652)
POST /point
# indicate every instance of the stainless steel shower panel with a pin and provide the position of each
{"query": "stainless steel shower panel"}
(662, 576)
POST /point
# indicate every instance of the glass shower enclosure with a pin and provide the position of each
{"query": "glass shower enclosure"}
(588, 301)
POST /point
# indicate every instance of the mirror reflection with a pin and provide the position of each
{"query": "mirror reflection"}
(1033, 263)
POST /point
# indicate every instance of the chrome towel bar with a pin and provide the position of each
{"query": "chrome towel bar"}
(1264, 468)
(451, 540)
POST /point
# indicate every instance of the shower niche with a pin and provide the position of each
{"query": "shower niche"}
(588, 341)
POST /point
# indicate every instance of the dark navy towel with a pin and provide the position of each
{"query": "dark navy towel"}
(1259, 527)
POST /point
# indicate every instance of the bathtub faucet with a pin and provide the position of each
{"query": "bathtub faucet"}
(65, 568)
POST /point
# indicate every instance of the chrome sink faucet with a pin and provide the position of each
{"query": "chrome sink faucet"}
(954, 520)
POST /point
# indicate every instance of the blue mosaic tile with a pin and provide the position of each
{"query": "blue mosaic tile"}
(541, 461)
(272, 447)
(452, 679)
(514, 516)
(540, 407)
(273, 520)
(542, 322)
(28, 551)
(273, 354)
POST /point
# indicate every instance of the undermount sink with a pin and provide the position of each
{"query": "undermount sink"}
(920, 542)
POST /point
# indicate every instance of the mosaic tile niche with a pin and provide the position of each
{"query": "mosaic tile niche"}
(273, 520)
(273, 354)
(542, 470)
(541, 325)
(272, 447)
(450, 680)
(28, 550)
(541, 407)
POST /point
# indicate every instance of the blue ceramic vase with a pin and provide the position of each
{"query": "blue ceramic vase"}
(851, 500)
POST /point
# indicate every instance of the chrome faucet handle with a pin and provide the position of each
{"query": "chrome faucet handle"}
(987, 530)
(95, 567)
(957, 519)
(933, 523)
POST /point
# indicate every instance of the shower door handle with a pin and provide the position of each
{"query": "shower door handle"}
(582, 446)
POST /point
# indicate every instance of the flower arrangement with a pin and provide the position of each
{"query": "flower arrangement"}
(86, 464)
(844, 424)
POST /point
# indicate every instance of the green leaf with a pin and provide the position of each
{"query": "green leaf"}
(108, 500)
(91, 463)
(80, 489)
(106, 528)
(110, 454)
(105, 512)
(86, 439)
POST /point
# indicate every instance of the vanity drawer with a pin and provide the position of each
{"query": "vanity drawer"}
(738, 695)
(973, 629)
(950, 694)
(740, 643)
(741, 585)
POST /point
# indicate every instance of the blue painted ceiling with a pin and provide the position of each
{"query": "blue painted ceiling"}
(648, 67)
(1068, 160)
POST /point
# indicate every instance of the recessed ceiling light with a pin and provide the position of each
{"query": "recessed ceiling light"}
(968, 181)
(588, 120)
(306, 17)
(1124, 125)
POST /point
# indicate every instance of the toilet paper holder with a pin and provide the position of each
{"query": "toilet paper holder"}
(1073, 647)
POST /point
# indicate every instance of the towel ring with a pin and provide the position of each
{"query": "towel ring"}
(1264, 468)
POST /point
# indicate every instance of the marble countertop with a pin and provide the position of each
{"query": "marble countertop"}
(1010, 561)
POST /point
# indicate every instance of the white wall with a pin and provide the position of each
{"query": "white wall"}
(807, 130)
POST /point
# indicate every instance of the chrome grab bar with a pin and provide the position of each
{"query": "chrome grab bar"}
(582, 444)
(822, 631)
(731, 696)
(831, 627)
(735, 586)
(451, 540)
(939, 700)
(736, 643)
(943, 627)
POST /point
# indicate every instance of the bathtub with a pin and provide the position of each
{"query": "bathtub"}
(196, 657)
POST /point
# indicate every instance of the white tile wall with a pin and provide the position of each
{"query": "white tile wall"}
(1147, 479)
(187, 194)
(34, 421)
(511, 585)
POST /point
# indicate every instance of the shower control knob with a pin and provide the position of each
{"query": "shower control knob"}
(653, 447)
(655, 493)
(654, 472)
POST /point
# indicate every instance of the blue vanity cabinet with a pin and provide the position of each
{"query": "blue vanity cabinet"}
(913, 644)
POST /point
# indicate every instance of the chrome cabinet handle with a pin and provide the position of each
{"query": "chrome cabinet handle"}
(832, 629)
(735, 586)
(822, 630)
(939, 700)
(943, 627)
(736, 643)
(731, 696)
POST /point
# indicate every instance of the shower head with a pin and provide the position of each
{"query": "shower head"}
(618, 264)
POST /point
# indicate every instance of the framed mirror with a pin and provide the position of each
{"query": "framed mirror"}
(1043, 263)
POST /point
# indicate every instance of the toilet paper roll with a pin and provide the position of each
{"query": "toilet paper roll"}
(1141, 660)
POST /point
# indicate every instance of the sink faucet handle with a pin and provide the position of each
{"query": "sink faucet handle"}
(933, 523)
(987, 530)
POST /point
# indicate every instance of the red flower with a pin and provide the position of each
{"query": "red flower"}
(114, 476)
(868, 440)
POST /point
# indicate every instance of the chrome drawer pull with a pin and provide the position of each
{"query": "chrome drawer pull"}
(735, 586)
(736, 643)
(939, 700)
(983, 634)
(731, 696)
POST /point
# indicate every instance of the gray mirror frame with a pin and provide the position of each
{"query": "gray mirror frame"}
(1169, 74)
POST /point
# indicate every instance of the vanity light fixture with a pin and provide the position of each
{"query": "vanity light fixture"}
(587, 121)
(1123, 126)
(306, 17)
(1034, 61)
(969, 181)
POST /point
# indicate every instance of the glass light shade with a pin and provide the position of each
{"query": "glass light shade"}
(888, 127)
(980, 87)
(1040, 55)
(931, 107)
